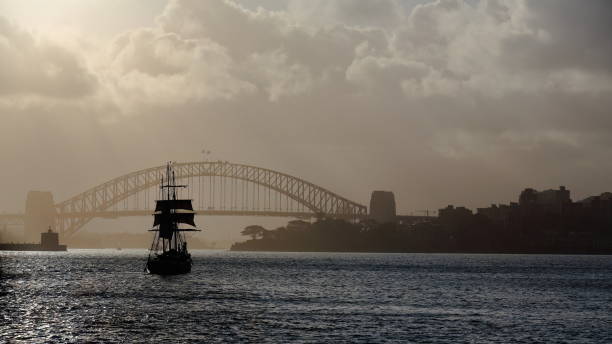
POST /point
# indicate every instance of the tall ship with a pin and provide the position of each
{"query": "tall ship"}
(168, 254)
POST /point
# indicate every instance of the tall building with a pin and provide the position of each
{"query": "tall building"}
(452, 213)
(554, 199)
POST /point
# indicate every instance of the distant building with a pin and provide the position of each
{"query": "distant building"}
(595, 208)
(604, 197)
(542, 221)
(49, 240)
(550, 197)
(451, 213)
(530, 200)
(498, 213)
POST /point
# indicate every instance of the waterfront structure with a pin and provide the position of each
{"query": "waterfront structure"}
(552, 218)
(49, 241)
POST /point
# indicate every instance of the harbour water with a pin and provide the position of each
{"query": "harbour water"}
(104, 296)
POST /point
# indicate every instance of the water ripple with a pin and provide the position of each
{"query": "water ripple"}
(103, 296)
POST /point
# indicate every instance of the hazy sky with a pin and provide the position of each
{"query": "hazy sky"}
(463, 102)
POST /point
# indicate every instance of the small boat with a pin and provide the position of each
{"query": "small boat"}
(168, 254)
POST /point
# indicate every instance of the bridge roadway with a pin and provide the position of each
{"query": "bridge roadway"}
(211, 212)
(111, 214)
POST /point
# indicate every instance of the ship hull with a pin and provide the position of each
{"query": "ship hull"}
(169, 266)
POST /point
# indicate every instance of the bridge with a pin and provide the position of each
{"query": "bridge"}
(216, 187)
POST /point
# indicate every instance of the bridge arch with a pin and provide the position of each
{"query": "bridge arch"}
(75, 212)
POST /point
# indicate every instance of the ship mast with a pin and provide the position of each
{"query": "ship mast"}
(171, 211)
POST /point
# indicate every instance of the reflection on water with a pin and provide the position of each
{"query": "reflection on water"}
(104, 296)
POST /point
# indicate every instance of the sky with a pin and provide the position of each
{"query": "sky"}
(441, 102)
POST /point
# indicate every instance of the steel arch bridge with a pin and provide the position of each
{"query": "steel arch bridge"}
(222, 188)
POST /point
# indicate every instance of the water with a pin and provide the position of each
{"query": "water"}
(103, 296)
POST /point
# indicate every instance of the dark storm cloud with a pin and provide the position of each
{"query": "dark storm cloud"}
(576, 34)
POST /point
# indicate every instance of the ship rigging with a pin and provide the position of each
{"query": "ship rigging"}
(168, 254)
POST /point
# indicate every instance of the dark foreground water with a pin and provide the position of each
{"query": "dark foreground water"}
(103, 296)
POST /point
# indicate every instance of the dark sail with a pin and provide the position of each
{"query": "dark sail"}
(166, 205)
(186, 218)
(171, 212)
(166, 231)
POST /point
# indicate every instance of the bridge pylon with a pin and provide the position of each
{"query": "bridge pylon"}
(39, 214)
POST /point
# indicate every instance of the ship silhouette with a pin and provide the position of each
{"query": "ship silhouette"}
(168, 254)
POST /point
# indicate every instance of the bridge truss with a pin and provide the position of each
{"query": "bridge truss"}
(217, 188)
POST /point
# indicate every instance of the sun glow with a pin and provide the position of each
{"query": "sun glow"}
(102, 18)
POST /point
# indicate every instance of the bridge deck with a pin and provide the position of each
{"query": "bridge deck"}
(210, 212)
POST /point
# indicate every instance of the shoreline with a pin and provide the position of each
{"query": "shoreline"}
(517, 252)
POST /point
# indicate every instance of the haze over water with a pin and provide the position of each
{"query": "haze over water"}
(103, 296)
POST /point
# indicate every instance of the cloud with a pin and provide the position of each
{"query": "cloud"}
(32, 66)
(386, 73)
(365, 14)
(498, 47)
(573, 36)
(149, 66)
(271, 42)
